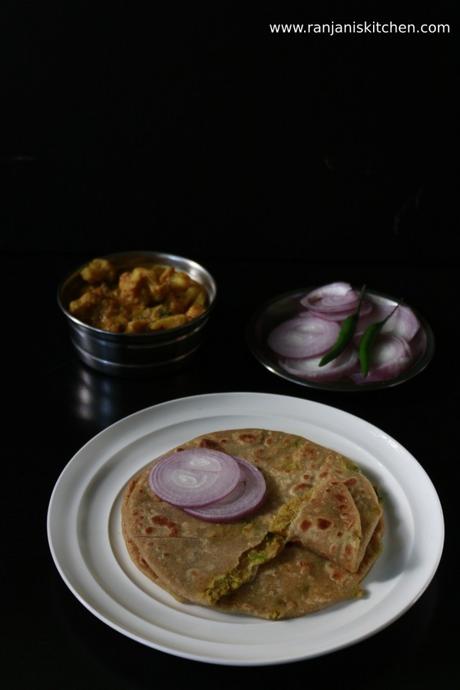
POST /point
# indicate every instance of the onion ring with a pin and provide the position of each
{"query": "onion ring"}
(244, 499)
(333, 297)
(303, 336)
(309, 368)
(194, 477)
(390, 356)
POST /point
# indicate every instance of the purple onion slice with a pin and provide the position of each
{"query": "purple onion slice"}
(303, 336)
(333, 297)
(195, 477)
(379, 312)
(365, 310)
(390, 356)
(244, 499)
(403, 323)
(310, 370)
(418, 343)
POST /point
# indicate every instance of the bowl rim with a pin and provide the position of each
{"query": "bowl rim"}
(166, 256)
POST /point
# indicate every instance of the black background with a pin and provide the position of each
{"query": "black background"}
(200, 130)
(278, 161)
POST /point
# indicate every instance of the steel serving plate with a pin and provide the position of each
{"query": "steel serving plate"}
(287, 305)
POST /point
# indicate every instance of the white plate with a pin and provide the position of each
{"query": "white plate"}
(86, 543)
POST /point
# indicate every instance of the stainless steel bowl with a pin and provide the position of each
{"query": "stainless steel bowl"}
(144, 353)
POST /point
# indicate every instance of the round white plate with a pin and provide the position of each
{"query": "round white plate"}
(88, 549)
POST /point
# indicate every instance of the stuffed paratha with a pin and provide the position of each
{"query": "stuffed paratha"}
(202, 562)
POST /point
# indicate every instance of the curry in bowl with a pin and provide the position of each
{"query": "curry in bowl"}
(142, 299)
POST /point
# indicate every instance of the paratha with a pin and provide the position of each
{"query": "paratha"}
(203, 562)
(338, 520)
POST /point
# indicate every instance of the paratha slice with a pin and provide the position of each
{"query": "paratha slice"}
(329, 524)
(364, 495)
(369, 506)
(299, 582)
(341, 516)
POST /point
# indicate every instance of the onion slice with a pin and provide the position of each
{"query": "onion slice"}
(418, 343)
(403, 323)
(333, 297)
(365, 310)
(303, 336)
(379, 312)
(390, 356)
(336, 370)
(195, 477)
(244, 499)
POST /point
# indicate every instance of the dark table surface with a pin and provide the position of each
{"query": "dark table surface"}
(57, 405)
(278, 162)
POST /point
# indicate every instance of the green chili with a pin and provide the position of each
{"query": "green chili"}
(346, 333)
(367, 340)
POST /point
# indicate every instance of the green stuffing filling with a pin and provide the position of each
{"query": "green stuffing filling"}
(246, 568)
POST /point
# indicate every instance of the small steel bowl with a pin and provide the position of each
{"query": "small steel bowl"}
(144, 353)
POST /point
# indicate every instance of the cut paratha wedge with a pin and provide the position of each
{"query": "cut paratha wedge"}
(329, 524)
(341, 515)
